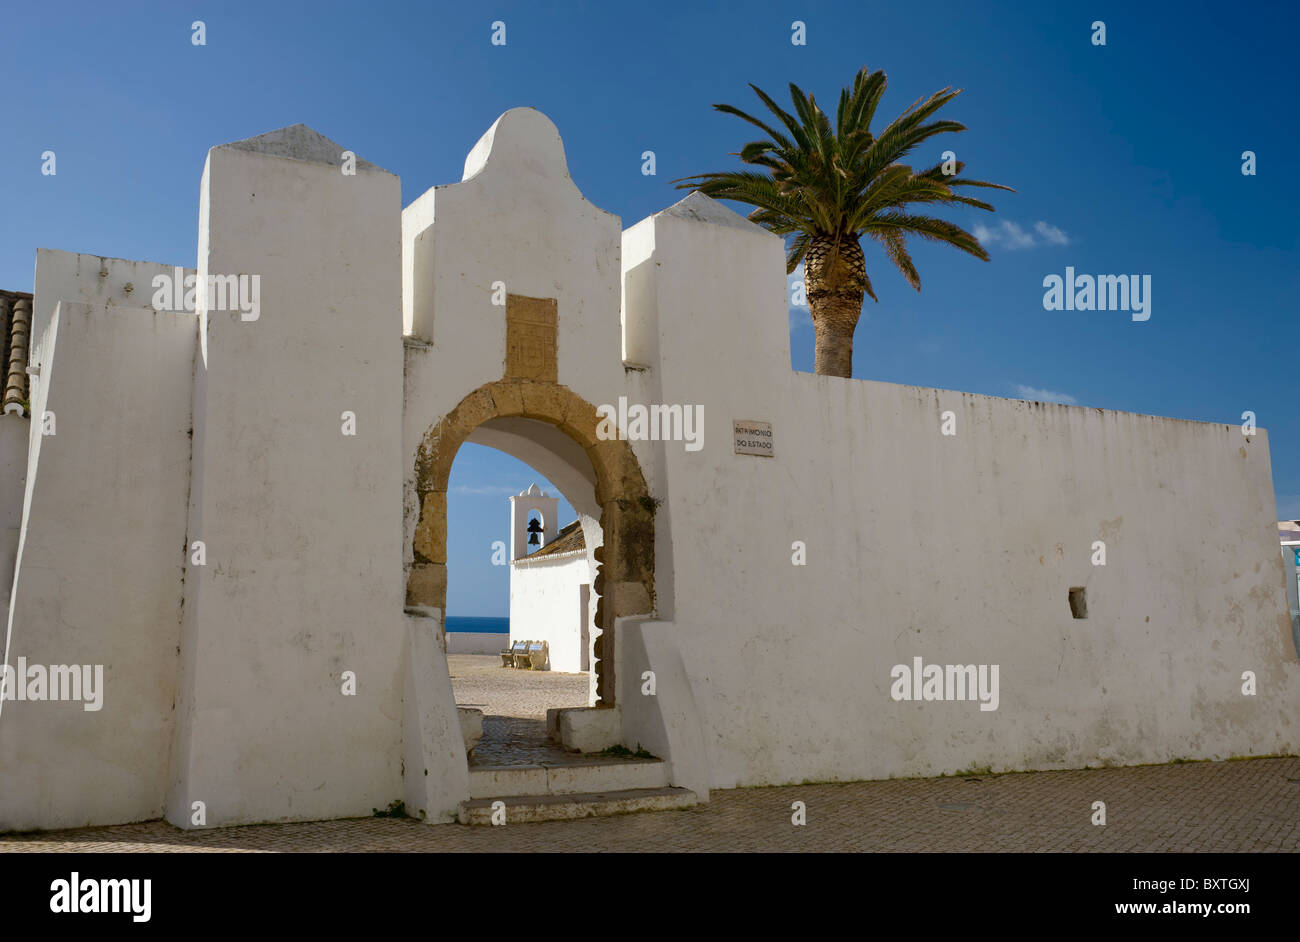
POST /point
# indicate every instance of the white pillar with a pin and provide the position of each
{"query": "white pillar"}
(296, 492)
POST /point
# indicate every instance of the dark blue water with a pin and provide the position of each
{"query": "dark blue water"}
(478, 625)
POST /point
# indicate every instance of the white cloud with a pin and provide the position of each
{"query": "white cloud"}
(1012, 236)
(1052, 234)
(1008, 235)
(1044, 395)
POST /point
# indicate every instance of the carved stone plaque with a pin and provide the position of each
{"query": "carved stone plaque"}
(531, 338)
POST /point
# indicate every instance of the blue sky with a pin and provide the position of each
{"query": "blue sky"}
(1129, 155)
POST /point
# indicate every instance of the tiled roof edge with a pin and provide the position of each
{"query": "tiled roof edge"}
(16, 313)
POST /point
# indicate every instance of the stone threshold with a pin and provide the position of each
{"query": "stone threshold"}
(567, 778)
(522, 808)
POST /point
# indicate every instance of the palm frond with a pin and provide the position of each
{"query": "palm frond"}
(896, 248)
(930, 228)
(812, 177)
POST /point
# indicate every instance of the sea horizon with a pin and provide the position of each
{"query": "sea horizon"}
(479, 624)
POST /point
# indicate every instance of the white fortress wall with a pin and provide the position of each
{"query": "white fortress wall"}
(97, 279)
(954, 549)
(100, 568)
(301, 521)
(959, 550)
(13, 474)
(113, 283)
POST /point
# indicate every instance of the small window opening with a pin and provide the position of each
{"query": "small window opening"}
(1079, 602)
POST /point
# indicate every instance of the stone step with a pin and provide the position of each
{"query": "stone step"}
(567, 778)
(520, 809)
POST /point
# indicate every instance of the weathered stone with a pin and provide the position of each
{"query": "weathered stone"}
(508, 397)
(427, 585)
(633, 531)
(441, 445)
(606, 459)
(431, 531)
(579, 420)
(631, 598)
(471, 727)
(523, 809)
(543, 401)
(590, 729)
(475, 409)
(618, 475)
(531, 338)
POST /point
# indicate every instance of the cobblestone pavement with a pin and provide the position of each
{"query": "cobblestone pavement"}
(1202, 806)
(514, 704)
(480, 681)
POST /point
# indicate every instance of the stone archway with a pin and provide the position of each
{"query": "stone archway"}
(624, 582)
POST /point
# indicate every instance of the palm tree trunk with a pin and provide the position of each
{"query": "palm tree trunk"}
(834, 282)
(833, 351)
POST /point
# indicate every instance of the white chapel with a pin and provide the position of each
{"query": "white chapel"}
(550, 582)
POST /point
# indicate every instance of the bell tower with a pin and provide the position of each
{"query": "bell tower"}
(521, 505)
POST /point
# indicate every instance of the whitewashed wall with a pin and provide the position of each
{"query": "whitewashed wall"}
(955, 549)
(13, 475)
(547, 604)
(302, 523)
(95, 279)
(100, 568)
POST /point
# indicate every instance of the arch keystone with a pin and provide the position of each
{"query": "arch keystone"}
(543, 401)
(508, 396)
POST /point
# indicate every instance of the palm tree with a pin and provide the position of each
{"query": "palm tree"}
(832, 187)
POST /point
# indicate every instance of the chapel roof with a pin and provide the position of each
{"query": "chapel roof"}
(568, 540)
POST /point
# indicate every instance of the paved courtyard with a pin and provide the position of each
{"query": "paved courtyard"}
(1240, 806)
(514, 704)
(480, 681)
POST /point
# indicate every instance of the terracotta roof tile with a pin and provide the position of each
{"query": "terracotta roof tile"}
(568, 540)
(15, 334)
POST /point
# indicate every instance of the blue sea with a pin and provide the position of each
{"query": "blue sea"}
(478, 625)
